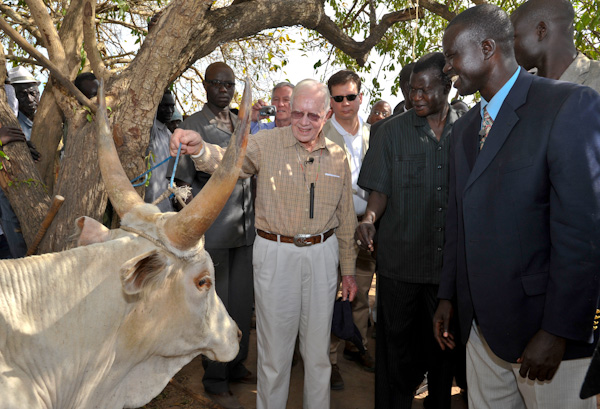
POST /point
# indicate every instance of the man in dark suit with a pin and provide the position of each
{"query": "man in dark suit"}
(522, 250)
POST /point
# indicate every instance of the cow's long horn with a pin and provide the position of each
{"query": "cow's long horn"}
(187, 227)
(120, 191)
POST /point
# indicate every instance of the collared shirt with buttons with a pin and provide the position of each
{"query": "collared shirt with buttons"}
(409, 165)
(284, 172)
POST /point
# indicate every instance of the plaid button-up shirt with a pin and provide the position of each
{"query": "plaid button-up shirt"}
(284, 175)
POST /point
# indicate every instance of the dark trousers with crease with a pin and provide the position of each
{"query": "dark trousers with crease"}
(234, 283)
(406, 348)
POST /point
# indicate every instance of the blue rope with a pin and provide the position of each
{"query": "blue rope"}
(175, 165)
(146, 173)
(157, 165)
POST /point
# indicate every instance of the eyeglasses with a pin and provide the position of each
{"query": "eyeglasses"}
(311, 116)
(384, 114)
(219, 83)
(340, 98)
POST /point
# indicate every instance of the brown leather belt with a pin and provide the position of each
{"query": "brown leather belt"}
(299, 240)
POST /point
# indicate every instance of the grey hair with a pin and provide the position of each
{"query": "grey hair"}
(313, 87)
(281, 85)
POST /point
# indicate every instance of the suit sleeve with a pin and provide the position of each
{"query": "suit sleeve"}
(447, 287)
(574, 172)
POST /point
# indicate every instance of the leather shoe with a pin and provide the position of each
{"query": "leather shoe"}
(227, 400)
(363, 359)
(336, 381)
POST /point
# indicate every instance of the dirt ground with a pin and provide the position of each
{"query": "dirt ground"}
(358, 393)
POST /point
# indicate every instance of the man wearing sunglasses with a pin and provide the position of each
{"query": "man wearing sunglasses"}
(351, 133)
(304, 220)
(229, 240)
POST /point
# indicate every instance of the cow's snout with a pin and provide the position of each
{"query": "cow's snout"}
(239, 335)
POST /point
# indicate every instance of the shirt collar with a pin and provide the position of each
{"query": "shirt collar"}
(210, 116)
(341, 129)
(290, 140)
(160, 125)
(422, 121)
(494, 105)
(24, 118)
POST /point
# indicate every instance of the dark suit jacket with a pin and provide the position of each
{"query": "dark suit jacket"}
(522, 248)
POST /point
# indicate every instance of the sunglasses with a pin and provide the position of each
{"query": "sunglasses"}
(311, 116)
(340, 98)
(219, 83)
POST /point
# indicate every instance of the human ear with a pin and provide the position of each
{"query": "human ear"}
(488, 48)
(541, 30)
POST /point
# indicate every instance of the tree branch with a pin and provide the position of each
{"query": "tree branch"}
(343, 23)
(125, 24)
(25, 60)
(360, 50)
(22, 21)
(43, 61)
(89, 40)
(50, 38)
(441, 9)
(264, 14)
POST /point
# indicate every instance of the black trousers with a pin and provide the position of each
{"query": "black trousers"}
(406, 348)
(234, 283)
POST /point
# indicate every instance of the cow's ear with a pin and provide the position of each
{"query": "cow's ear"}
(91, 231)
(139, 271)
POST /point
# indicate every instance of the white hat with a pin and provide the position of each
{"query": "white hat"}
(19, 75)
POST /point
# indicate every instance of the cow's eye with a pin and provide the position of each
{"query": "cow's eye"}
(203, 283)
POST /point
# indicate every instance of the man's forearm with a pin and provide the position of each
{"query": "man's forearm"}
(375, 207)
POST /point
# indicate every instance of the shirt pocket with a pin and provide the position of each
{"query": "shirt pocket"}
(410, 170)
(329, 191)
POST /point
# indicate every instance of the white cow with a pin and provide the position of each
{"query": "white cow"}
(107, 324)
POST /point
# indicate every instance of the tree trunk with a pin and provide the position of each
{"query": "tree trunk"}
(46, 136)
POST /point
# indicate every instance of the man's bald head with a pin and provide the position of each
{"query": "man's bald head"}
(486, 21)
(560, 12)
(544, 36)
(216, 67)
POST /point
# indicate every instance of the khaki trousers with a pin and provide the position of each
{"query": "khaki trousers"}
(294, 290)
(496, 384)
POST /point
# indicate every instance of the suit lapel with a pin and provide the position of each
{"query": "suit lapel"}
(505, 121)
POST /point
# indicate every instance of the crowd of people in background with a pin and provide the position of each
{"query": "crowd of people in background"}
(481, 223)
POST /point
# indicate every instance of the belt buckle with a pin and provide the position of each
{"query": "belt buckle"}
(300, 240)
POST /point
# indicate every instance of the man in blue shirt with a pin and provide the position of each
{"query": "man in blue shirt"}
(280, 98)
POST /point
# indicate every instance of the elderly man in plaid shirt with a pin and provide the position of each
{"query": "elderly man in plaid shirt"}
(305, 224)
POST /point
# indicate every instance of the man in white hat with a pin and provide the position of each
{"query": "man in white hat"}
(28, 95)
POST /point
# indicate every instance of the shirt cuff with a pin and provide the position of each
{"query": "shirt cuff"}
(199, 153)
